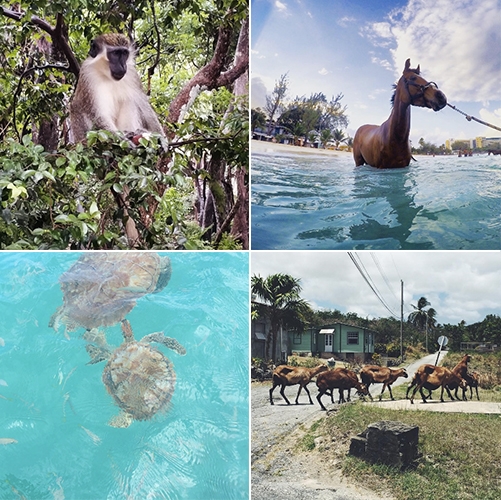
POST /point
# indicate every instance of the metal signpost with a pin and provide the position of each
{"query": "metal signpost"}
(442, 342)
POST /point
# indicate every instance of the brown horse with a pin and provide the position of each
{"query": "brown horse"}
(387, 145)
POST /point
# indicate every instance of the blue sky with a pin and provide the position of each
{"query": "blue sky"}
(459, 285)
(359, 47)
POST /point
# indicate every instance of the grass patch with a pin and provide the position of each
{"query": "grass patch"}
(307, 442)
(461, 453)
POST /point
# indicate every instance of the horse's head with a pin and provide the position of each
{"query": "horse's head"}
(419, 91)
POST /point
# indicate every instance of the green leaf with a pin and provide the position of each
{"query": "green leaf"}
(93, 209)
(17, 191)
(62, 218)
(48, 175)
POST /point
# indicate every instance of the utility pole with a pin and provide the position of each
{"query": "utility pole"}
(402, 320)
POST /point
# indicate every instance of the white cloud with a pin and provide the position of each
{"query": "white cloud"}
(258, 93)
(492, 117)
(280, 6)
(457, 46)
(459, 285)
(380, 34)
(382, 62)
(376, 93)
(344, 22)
(257, 55)
(323, 72)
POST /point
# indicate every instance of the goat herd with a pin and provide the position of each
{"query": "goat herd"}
(428, 377)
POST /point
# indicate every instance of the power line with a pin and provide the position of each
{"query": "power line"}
(365, 275)
(383, 275)
(408, 309)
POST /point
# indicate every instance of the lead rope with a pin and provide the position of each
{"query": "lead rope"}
(470, 118)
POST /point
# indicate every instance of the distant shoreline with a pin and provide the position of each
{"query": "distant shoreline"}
(264, 147)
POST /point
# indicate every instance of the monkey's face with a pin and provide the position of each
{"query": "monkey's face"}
(115, 50)
(117, 57)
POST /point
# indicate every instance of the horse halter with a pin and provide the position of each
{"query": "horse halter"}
(422, 88)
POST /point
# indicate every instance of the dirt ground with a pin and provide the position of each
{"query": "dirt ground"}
(277, 473)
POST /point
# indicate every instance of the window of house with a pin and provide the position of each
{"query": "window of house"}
(260, 331)
(297, 339)
(352, 338)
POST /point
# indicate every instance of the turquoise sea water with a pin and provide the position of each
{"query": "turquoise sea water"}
(55, 442)
(322, 202)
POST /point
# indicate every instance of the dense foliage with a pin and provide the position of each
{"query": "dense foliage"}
(187, 192)
(311, 119)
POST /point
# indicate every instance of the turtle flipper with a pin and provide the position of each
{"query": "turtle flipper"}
(97, 354)
(95, 336)
(166, 341)
(55, 319)
(122, 420)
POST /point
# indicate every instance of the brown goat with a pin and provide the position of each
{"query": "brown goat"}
(432, 377)
(292, 375)
(473, 379)
(461, 369)
(374, 374)
(341, 379)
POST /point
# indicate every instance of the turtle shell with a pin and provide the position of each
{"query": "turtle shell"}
(140, 379)
(101, 288)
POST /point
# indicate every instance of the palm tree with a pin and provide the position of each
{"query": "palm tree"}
(339, 137)
(325, 137)
(281, 304)
(423, 319)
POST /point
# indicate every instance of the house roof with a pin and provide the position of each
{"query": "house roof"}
(326, 329)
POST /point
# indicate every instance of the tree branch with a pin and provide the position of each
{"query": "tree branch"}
(17, 16)
(57, 34)
(212, 76)
(59, 40)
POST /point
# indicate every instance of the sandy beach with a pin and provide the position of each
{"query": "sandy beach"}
(273, 147)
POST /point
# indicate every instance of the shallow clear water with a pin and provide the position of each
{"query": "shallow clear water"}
(320, 202)
(56, 408)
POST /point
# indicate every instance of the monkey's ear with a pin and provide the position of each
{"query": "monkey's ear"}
(94, 48)
(133, 46)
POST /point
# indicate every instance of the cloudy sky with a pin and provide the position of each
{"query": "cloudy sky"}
(359, 48)
(459, 285)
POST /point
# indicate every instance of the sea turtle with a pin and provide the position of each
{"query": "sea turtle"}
(139, 377)
(101, 288)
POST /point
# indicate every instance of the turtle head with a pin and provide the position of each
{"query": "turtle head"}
(165, 274)
(127, 331)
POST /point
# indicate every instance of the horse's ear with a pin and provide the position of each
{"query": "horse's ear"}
(418, 69)
(407, 65)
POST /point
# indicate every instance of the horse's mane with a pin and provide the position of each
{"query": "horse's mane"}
(394, 86)
(392, 99)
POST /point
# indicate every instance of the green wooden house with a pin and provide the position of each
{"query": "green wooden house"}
(348, 342)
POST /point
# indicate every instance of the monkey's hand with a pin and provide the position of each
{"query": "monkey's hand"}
(134, 138)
